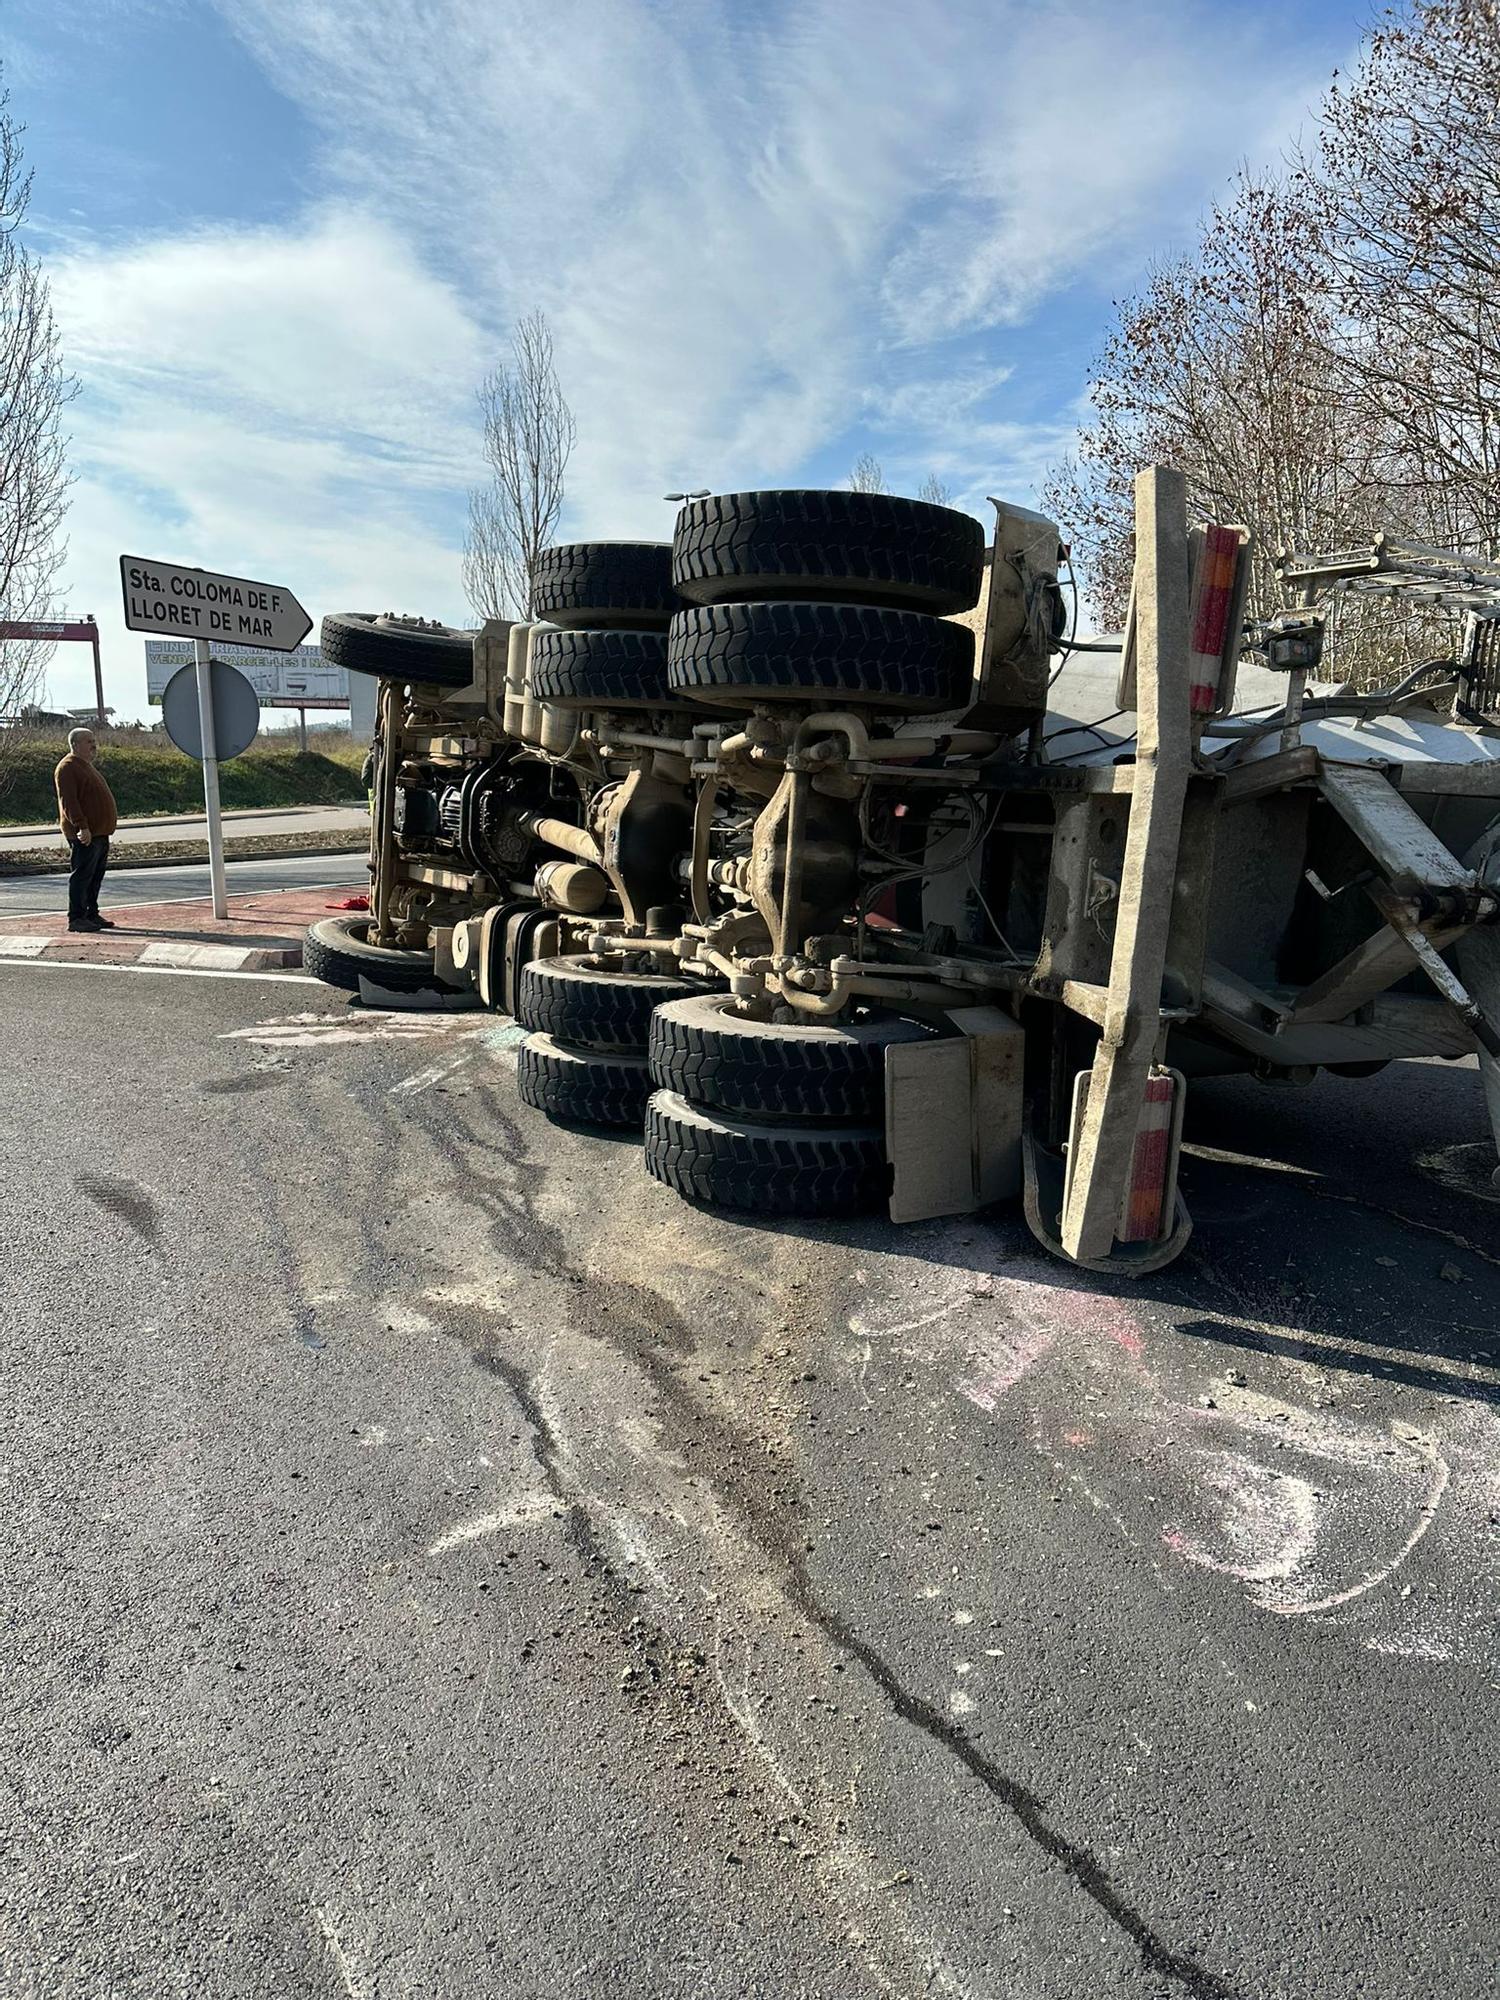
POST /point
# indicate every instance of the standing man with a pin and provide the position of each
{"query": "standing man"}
(86, 810)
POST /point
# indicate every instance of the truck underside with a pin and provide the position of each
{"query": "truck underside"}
(774, 842)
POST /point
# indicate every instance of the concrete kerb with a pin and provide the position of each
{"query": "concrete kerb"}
(264, 934)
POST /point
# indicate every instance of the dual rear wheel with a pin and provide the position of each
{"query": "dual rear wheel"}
(767, 1119)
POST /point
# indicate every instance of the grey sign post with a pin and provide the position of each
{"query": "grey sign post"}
(202, 605)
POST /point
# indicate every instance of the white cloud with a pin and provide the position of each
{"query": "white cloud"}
(764, 236)
(289, 404)
(735, 215)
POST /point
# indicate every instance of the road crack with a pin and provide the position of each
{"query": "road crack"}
(1157, 1956)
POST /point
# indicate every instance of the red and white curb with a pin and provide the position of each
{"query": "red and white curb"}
(68, 948)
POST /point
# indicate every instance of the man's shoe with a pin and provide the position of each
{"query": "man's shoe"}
(102, 923)
(85, 923)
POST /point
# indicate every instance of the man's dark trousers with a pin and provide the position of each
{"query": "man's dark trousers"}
(85, 873)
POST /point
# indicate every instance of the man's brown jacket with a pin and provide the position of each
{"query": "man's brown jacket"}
(83, 798)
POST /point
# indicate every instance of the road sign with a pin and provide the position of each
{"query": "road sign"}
(235, 705)
(200, 604)
(302, 679)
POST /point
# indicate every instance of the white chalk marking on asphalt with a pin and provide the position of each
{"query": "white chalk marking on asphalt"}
(741, 1705)
(1425, 1518)
(158, 971)
(862, 1329)
(24, 947)
(528, 1507)
(340, 1960)
(424, 1079)
(208, 957)
(405, 1319)
(369, 1024)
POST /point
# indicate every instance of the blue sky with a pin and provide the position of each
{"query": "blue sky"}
(286, 238)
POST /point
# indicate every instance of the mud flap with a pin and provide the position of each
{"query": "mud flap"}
(953, 1116)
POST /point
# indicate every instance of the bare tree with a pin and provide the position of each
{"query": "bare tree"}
(1224, 366)
(936, 491)
(1407, 186)
(34, 388)
(867, 476)
(529, 434)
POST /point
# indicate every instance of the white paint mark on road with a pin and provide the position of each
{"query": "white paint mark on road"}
(1268, 1525)
(862, 1330)
(24, 947)
(424, 1079)
(1425, 1517)
(518, 1513)
(364, 1024)
(336, 1951)
(399, 1318)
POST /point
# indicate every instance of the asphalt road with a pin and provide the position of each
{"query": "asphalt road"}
(437, 1562)
(311, 820)
(22, 894)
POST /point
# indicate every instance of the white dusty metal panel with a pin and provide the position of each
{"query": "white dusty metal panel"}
(953, 1117)
(362, 692)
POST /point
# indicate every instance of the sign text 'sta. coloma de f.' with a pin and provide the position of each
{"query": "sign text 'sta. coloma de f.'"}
(201, 604)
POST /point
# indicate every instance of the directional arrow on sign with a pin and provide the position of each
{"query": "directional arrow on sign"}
(200, 604)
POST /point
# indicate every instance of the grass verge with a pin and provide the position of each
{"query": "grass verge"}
(153, 778)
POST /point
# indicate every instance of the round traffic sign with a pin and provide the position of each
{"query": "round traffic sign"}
(236, 710)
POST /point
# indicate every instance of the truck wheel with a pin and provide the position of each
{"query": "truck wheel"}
(335, 951)
(706, 1052)
(611, 669)
(604, 583)
(574, 1001)
(820, 652)
(399, 649)
(870, 547)
(581, 1086)
(764, 1169)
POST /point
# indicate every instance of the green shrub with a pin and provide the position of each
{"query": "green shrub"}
(154, 778)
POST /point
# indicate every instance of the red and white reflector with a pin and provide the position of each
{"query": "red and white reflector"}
(1213, 593)
(1146, 1210)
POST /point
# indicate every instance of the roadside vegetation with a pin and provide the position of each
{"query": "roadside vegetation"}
(1324, 362)
(148, 776)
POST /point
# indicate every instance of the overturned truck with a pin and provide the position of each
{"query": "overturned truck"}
(814, 846)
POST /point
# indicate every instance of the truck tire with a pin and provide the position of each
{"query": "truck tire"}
(336, 952)
(609, 669)
(604, 583)
(574, 1001)
(796, 1170)
(398, 649)
(711, 1055)
(835, 653)
(581, 1086)
(869, 547)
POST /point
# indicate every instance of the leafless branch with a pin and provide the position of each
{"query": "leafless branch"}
(866, 476)
(529, 434)
(34, 389)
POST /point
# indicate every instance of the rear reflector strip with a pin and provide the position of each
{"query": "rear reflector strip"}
(1143, 1213)
(1213, 593)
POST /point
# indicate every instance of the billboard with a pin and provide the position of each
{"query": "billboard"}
(282, 680)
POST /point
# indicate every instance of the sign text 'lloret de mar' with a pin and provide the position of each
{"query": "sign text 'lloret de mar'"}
(200, 604)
